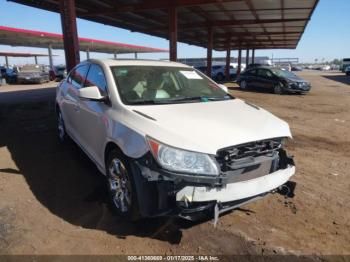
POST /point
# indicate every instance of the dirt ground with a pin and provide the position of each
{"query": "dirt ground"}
(52, 199)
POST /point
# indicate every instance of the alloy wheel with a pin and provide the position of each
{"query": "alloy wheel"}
(60, 126)
(119, 186)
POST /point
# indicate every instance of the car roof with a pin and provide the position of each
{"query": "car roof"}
(137, 62)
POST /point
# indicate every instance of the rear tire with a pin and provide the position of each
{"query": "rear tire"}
(220, 77)
(278, 89)
(243, 85)
(121, 187)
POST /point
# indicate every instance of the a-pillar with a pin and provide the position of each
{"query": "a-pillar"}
(70, 34)
(239, 62)
(50, 55)
(173, 33)
(209, 51)
(227, 68)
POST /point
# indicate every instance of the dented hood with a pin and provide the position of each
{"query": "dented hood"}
(208, 126)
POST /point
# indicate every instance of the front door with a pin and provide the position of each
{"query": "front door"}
(93, 120)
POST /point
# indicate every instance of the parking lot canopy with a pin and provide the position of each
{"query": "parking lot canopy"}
(253, 24)
(22, 37)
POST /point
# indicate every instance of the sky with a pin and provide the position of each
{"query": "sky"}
(327, 35)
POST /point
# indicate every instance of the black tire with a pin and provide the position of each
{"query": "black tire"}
(61, 129)
(278, 89)
(121, 186)
(243, 85)
(220, 77)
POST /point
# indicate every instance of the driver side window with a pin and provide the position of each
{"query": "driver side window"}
(264, 73)
(96, 77)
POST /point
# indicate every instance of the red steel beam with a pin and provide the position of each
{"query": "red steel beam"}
(239, 61)
(173, 33)
(227, 68)
(247, 57)
(70, 34)
(209, 51)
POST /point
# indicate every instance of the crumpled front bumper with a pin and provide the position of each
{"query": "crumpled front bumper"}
(238, 190)
(161, 192)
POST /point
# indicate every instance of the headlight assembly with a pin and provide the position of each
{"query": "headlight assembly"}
(179, 160)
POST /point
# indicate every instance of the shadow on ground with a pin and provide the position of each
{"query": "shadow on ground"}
(62, 178)
(344, 79)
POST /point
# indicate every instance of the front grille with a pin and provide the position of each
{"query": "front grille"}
(250, 159)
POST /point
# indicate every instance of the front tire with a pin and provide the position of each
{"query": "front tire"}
(61, 128)
(121, 187)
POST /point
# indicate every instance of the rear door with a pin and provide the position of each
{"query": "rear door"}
(264, 78)
(250, 77)
(93, 121)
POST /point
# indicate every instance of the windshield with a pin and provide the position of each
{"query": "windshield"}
(165, 85)
(283, 73)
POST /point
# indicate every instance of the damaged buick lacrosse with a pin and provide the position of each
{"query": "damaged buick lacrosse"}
(170, 141)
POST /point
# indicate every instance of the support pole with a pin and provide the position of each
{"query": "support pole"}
(247, 58)
(173, 33)
(36, 59)
(253, 56)
(135, 55)
(7, 61)
(50, 56)
(87, 54)
(239, 61)
(209, 51)
(227, 68)
(70, 34)
(115, 55)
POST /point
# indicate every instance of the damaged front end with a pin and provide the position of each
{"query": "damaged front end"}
(247, 172)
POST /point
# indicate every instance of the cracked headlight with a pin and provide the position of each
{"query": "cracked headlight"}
(180, 160)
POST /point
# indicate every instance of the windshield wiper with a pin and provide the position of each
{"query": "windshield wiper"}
(179, 99)
(196, 98)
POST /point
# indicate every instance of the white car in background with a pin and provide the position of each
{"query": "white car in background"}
(169, 140)
(347, 71)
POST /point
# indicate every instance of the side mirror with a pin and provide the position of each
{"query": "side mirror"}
(91, 93)
(223, 87)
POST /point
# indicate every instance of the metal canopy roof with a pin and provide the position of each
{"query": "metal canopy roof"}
(23, 37)
(19, 54)
(255, 24)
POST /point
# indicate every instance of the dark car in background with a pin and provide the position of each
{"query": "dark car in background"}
(9, 74)
(297, 68)
(57, 73)
(277, 80)
(33, 74)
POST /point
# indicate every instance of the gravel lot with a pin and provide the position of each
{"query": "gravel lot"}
(52, 199)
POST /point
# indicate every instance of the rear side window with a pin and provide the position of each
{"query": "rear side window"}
(251, 72)
(96, 77)
(77, 76)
